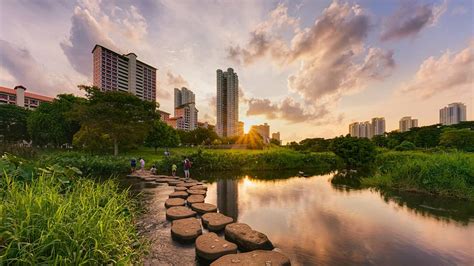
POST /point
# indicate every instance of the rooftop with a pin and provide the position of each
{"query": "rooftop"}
(28, 94)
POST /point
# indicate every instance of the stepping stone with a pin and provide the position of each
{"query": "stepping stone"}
(180, 189)
(246, 238)
(174, 202)
(202, 208)
(190, 181)
(195, 199)
(257, 257)
(186, 229)
(149, 179)
(215, 221)
(163, 180)
(179, 194)
(162, 176)
(173, 183)
(179, 212)
(196, 192)
(211, 247)
(187, 185)
(198, 187)
(151, 184)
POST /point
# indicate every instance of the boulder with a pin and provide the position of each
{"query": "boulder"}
(211, 247)
(179, 194)
(215, 221)
(253, 258)
(173, 202)
(180, 189)
(202, 208)
(187, 185)
(246, 238)
(195, 199)
(199, 187)
(179, 212)
(186, 229)
(196, 192)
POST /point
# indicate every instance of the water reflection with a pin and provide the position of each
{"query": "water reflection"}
(316, 221)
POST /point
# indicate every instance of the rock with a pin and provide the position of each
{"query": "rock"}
(180, 189)
(151, 184)
(179, 212)
(179, 194)
(210, 247)
(190, 181)
(186, 229)
(149, 179)
(199, 187)
(202, 208)
(162, 176)
(195, 199)
(173, 183)
(196, 192)
(174, 202)
(163, 180)
(215, 221)
(246, 238)
(257, 257)
(187, 185)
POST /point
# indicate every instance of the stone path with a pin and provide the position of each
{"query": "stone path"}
(186, 227)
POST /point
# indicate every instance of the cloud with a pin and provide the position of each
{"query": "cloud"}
(449, 72)
(288, 110)
(175, 81)
(23, 67)
(410, 19)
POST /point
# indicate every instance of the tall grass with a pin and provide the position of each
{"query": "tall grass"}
(447, 174)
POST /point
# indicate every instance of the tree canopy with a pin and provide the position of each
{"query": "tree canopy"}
(162, 135)
(13, 123)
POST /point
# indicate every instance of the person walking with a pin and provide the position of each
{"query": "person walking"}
(187, 167)
(133, 165)
(142, 164)
(173, 169)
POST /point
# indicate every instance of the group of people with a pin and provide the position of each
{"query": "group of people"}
(187, 164)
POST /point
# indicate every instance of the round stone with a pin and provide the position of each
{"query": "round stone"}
(180, 189)
(190, 181)
(151, 184)
(196, 192)
(186, 229)
(215, 221)
(199, 187)
(174, 202)
(257, 257)
(179, 194)
(173, 183)
(202, 208)
(187, 185)
(211, 247)
(179, 212)
(195, 199)
(246, 238)
(163, 180)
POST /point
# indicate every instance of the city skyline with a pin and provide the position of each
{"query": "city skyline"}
(283, 53)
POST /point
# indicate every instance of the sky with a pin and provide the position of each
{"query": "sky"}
(307, 68)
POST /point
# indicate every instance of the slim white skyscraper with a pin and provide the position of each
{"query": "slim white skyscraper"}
(452, 114)
(406, 123)
(227, 104)
(378, 126)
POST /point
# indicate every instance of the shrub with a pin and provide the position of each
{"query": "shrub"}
(462, 139)
(405, 146)
(355, 152)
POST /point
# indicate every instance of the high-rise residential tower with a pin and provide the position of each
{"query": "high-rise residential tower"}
(452, 114)
(116, 72)
(262, 130)
(378, 126)
(185, 108)
(227, 103)
(406, 123)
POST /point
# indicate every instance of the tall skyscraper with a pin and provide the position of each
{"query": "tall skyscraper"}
(262, 130)
(185, 108)
(227, 103)
(116, 72)
(406, 123)
(452, 114)
(378, 126)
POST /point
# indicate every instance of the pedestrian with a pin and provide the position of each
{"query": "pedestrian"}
(173, 169)
(133, 165)
(187, 167)
(153, 169)
(142, 164)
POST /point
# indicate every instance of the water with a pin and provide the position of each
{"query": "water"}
(316, 221)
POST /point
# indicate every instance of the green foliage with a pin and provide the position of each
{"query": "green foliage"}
(162, 135)
(123, 117)
(405, 146)
(198, 136)
(447, 174)
(275, 142)
(380, 141)
(355, 152)
(50, 123)
(92, 140)
(462, 139)
(13, 125)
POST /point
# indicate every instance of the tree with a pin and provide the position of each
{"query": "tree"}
(405, 146)
(50, 123)
(355, 152)
(462, 139)
(13, 123)
(427, 137)
(121, 116)
(162, 135)
(92, 140)
(380, 140)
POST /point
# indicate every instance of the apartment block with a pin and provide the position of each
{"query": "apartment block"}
(262, 130)
(227, 103)
(452, 114)
(20, 97)
(117, 72)
(406, 123)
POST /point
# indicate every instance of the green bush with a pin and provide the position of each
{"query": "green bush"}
(355, 152)
(405, 146)
(462, 139)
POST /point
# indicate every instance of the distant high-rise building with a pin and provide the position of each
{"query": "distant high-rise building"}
(185, 107)
(240, 128)
(20, 97)
(116, 72)
(378, 126)
(276, 136)
(354, 129)
(406, 123)
(452, 114)
(262, 130)
(163, 115)
(227, 104)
